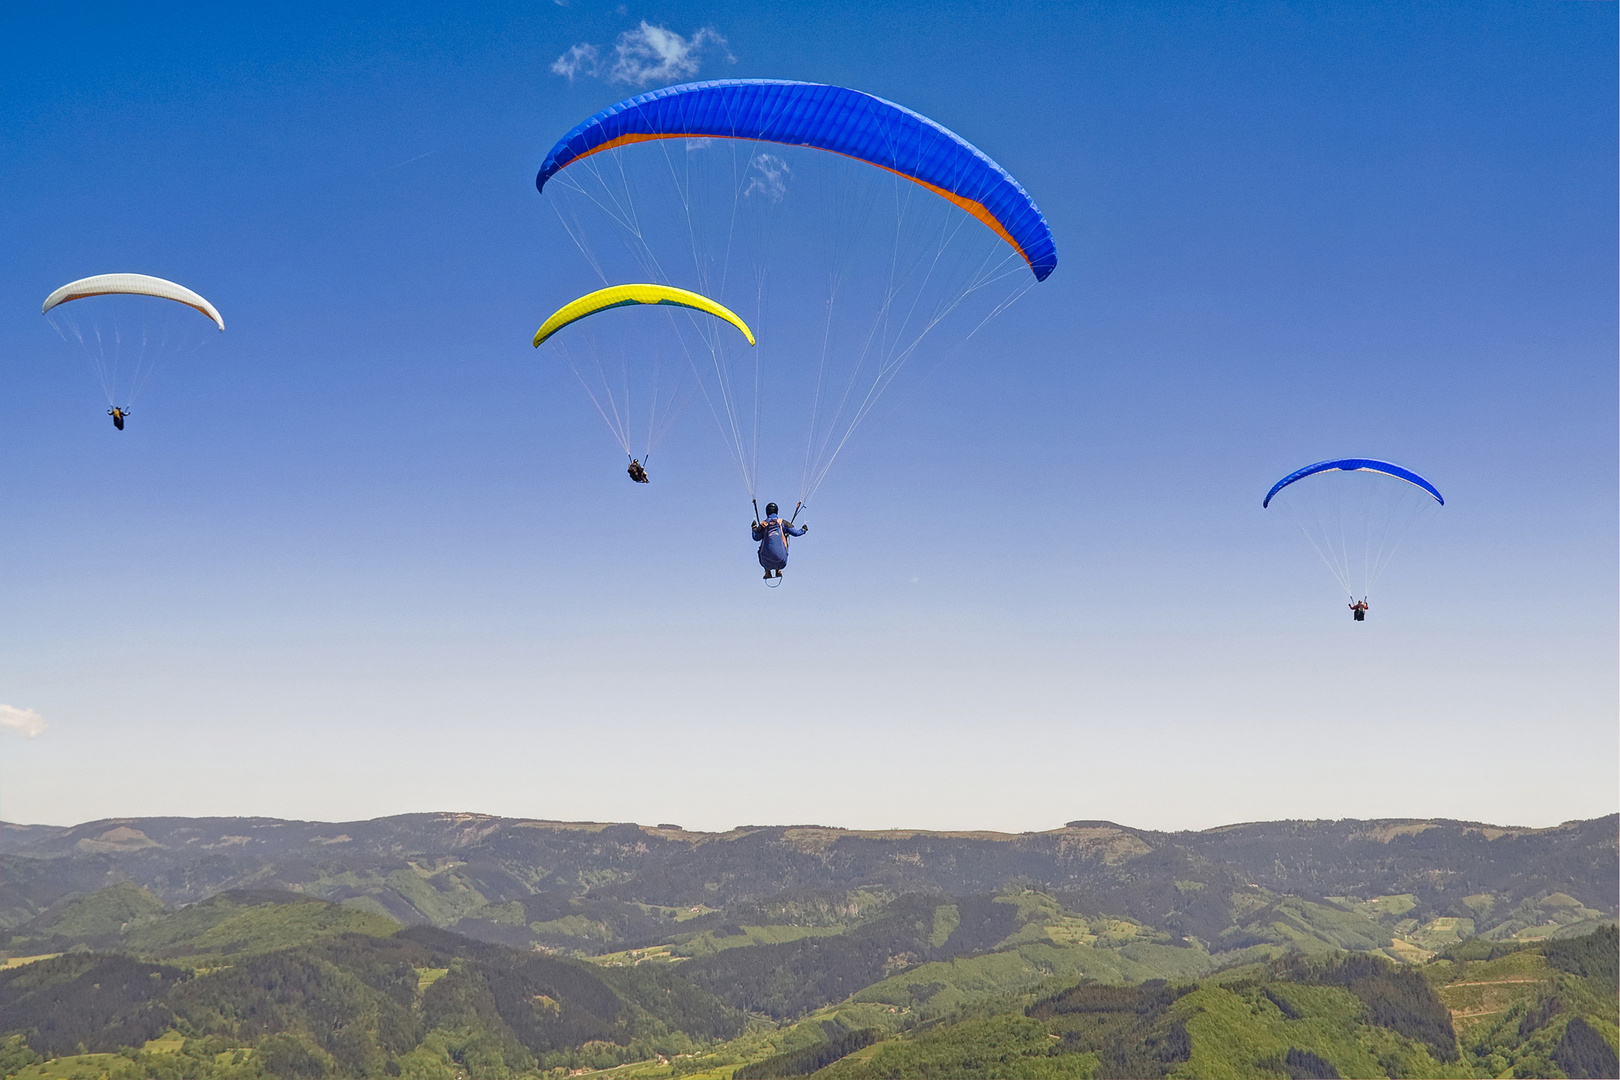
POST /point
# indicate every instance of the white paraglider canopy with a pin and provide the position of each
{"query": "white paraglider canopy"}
(126, 325)
(131, 285)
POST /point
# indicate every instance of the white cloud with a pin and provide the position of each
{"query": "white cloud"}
(578, 60)
(647, 54)
(651, 54)
(25, 722)
(769, 176)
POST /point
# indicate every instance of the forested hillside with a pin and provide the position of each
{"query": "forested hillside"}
(425, 1003)
(459, 946)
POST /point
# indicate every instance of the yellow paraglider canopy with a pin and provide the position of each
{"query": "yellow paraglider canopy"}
(626, 295)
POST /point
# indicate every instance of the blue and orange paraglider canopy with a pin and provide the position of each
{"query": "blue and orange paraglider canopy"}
(831, 118)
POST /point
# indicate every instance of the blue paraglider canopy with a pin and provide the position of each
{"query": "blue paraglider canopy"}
(1355, 465)
(831, 118)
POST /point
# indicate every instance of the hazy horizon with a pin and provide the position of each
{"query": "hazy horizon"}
(901, 828)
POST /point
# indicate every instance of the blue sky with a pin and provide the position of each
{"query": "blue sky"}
(366, 554)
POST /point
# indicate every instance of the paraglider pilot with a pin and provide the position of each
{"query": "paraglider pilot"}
(637, 473)
(1358, 610)
(118, 416)
(772, 534)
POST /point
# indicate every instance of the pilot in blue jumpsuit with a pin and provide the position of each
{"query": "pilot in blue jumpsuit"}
(772, 534)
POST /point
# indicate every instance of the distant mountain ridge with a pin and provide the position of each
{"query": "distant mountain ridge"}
(590, 887)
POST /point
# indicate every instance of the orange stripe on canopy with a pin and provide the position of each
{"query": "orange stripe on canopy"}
(977, 209)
